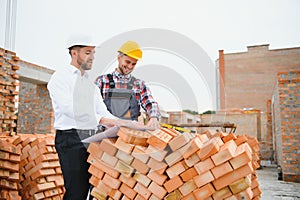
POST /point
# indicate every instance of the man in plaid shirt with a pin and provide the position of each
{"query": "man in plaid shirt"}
(123, 94)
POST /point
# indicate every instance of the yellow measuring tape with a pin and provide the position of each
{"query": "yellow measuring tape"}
(177, 128)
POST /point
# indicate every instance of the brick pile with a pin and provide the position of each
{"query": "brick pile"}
(38, 169)
(8, 91)
(9, 170)
(166, 164)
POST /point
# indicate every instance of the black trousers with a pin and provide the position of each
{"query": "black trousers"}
(73, 157)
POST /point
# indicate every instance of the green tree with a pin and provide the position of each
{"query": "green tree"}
(209, 112)
(191, 112)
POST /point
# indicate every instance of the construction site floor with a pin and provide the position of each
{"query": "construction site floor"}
(273, 189)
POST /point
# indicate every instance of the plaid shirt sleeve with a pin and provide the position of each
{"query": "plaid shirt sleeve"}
(102, 83)
(147, 101)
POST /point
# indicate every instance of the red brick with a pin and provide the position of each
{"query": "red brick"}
(173, 195)
(159, 139)
(125, 157)
(203, 137)
(222, 169)
(187, 187)
(179, 141)
(126, 190)
(142, 190)
(108, 159)
(233, 176)
(175, 170)
(100, 192)
(204, 192)
(193, 146)
(123, 146)
(111, 182)
(192, 160)
(108, 145)
(141, 178)
(240, 139)
(115, 194)
(155, 153)
(157, 178)
(94, 180)
(139, 153)
(140, 166)
(189, 197)
(171, 132)
(103, 166)
(254, 183)
(157, 190)
(241, 157)
(173, 158)
(123, 168)
(240, 185)
(96, 172)
(256, 191)
(128, 180)
(226, 152)
(173, 184)
(230, 136)
(133, 136)
(204, 166)
(222, 193)
(246, 194)
(155, 165)
(209, 148)
(203, 179)
(188, 174)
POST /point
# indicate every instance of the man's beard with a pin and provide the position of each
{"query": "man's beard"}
(122, 71)
(84, 65)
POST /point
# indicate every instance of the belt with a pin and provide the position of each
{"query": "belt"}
(79, 131)
(87, 131)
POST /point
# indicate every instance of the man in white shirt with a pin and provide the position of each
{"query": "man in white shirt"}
(78, 109)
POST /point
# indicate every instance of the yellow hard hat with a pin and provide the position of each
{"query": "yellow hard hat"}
(131, 49)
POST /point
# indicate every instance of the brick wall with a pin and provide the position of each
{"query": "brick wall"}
(266, 144)
(8, 91)
(249, 77)
(35, 109)
(182, 118)
(286, 123)
(33, 113)
(246, 123)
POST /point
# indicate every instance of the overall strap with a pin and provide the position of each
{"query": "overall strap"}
(131, 83)
(111, 81)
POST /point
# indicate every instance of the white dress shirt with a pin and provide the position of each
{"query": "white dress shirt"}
(76, 100)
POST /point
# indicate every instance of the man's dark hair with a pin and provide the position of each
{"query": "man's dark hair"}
(75, 47)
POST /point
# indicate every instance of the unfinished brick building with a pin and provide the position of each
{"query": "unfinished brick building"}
(252, 80)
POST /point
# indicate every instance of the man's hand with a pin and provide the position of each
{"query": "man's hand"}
(153, 123)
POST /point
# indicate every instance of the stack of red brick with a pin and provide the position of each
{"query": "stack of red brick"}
(8, 91)
(165, 164)
(38, 169)
(9, 170)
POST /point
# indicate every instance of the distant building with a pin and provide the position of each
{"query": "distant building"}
(247, 79)
(268, 82)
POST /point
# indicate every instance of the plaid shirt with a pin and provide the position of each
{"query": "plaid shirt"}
(142, 92)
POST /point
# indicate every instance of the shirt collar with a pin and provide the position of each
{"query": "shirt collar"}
(117, 74)
(75, 70)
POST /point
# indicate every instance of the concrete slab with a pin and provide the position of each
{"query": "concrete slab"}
(273, 189)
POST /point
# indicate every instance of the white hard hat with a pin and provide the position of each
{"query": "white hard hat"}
(80, 40)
